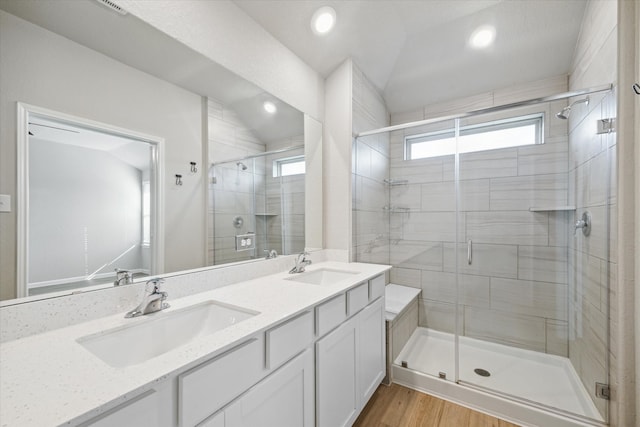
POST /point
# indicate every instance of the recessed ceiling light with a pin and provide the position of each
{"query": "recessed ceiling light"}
(482, 37)
(269, 107)
(323, 20)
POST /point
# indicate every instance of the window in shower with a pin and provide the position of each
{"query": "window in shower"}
(288, 166)
(512, 132)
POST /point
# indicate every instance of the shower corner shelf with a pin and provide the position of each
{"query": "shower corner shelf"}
(551, 208)
(393, 182)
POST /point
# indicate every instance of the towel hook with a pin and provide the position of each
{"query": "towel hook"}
(178, 179)
(193, 167)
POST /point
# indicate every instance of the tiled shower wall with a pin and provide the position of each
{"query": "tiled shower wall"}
(370, 194)
(515, 290)
(229, 138)
(593, 258)
(283, 222)
(272, 208)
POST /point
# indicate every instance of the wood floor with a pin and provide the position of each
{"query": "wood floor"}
(398, 406)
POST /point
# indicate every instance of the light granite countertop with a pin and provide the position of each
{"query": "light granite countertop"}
(50, 379)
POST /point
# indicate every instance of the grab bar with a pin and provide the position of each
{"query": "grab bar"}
(469, 251)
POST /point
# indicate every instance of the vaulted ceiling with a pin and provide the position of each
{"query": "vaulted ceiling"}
(416, 51)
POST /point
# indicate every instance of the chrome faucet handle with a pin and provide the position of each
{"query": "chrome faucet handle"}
(122, 275)
(301, 263)
(153, 286)
(583, 223)
(270, 254)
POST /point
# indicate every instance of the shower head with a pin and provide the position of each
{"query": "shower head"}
(566, 111)
(242, 165)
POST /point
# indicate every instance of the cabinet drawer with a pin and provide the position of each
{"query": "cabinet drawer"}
(215, 421)
(206, 388)
(141, 411)
(357, 298)
(376, 287)
(286, 340)
(330, 314)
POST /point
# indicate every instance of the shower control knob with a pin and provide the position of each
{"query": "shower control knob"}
(583, 223)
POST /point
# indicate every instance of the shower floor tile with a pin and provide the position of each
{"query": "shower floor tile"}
(538, 377)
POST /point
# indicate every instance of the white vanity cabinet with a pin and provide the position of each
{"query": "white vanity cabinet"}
(283, 399)
(154, 408)
(337, 403)
(206, 388)
(371, 350)
(350, 362)
(319, 368)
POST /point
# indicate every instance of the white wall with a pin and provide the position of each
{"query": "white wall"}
(41, 68)
(336, 150)
(103, 225)
(224, 33)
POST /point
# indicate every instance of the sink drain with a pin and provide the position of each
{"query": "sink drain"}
(482, 372)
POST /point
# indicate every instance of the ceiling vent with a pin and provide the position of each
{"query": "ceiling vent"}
(111, 5)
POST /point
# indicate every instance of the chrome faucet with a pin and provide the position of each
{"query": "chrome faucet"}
(270, 254)
(122, 277)
(152, 301)
(301, 263)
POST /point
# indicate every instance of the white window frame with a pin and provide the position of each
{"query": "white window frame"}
(474, 129)
(278, 163)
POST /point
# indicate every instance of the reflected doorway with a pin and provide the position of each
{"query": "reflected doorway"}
(89, 203)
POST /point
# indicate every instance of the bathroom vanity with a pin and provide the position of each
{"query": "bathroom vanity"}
(282, 350)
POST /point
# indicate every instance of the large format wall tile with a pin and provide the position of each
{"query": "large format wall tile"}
(511, 228)
(541, 299)
(548, 158)
(489, 164)
(418, 255)
(505, 328)
(557, 337)
(524, 192)
(541, 263)
(487, 260)
(441, 196)
(431, 226)
(436, 315)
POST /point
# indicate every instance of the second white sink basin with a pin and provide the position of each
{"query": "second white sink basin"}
(163, 331)
(322, 276)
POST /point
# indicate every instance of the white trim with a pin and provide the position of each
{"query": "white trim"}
(22, 191)
(81, 278)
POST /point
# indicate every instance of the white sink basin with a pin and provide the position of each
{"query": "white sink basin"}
(161, 332)
(322, 276)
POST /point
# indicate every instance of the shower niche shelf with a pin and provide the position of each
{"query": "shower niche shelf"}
(393, 182)
(551, 208)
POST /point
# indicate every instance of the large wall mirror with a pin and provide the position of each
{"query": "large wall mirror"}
(243, 156)
(90, 197)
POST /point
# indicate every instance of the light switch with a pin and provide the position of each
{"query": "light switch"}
(5, 203)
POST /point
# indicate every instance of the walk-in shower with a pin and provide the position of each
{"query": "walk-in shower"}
(257, 206)
(481, 211)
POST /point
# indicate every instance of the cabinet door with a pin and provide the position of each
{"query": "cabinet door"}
(142, 411)
(371, 352)
(336, 377)
(283, 399)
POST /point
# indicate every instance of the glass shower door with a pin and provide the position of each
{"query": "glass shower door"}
(517, 212)
(423, 241)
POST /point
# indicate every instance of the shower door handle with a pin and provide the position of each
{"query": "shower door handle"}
(469, 251)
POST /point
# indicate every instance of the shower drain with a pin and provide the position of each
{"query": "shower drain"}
(482, 372)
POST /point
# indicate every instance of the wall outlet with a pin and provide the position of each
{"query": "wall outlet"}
(245, 242)
(5, 203)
